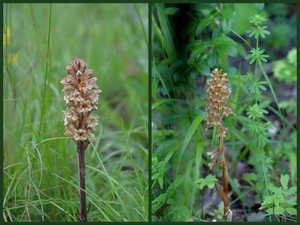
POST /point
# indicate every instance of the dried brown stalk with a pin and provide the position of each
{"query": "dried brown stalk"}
(81, 97)
(217, 93)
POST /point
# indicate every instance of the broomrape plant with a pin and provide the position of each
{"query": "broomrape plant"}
(81, 97)
(217, 93)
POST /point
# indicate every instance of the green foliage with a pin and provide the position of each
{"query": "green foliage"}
(189, 40)
(259, 31)
(208, 181)
(167, 196)
(256, 86)
(158, 171)
(256, 112)
(286, 70)
(282, 200)
(257, 20)
(257, 56)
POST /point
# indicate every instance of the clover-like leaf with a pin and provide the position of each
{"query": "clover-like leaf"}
(208, 181)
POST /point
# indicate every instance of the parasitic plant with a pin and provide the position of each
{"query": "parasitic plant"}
(81, 97)
(217, 93)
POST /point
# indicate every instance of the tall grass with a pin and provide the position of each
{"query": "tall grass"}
(40, 175)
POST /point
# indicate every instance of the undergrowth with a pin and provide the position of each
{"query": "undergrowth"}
(189, 41)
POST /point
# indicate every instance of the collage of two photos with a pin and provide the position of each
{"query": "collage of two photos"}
(142, 112)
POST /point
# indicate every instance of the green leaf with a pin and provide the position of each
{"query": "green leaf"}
(195, 44)
(194, 73)
(250, 176)
(241, 49)
(292, 190)
(223, 40)
(154, 161)
(171, 151)
(161, 182)
(171, 10)
(228, 13)
(196, 53)
(210, 185)
(284, 179)
(257, 20)
(228, 49)
(212, 58)
(262, 140)
(278, 210)
(261, 87)
(200, 180)
(217, 32)
(225, 44)
(161, 134)
(291, 202)
(173, 187)
(160, 199)
(189, 220)
(291, 211)
(286, 70)
(204, 23)
(203, 68)
(154, 176)
(274, 189)
(158, 103)
(208, 181)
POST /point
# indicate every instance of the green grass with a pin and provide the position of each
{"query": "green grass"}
(40, 173)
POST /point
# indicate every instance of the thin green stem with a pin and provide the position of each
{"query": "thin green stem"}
(264, 170)
(47, 67)
(247, 43)
(142, 25)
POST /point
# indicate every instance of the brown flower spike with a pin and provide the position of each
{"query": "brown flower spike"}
(81, 97)
(217, 93)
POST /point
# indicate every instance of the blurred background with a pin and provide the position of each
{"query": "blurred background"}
(40, 171)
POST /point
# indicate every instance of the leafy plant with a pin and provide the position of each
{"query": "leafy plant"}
(282, 201)
(188, 41)
(208, 181)
(286, 70)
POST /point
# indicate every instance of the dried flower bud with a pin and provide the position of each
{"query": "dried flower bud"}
(213, 153)
(211, 164)
(81, 97)
(217, 93)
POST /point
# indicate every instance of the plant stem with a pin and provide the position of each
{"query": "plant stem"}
(81, 160)
(225, 178)
(48, 61)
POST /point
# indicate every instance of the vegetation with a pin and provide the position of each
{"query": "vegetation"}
(189, 42)
(253, 44)
(40, 168)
